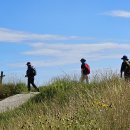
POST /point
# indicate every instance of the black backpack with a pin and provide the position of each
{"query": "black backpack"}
(33, 72)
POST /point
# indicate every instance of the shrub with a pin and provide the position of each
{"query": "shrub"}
(5, 92)
(10, 89)
(19, 88)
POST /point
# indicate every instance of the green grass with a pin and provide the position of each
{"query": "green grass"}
(66, 104)
(10, 89)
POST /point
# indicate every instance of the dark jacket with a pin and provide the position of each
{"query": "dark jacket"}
(125, 68)
(30, 72)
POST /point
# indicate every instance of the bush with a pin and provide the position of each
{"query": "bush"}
(5, 92)
(19, 88)
(10, 89)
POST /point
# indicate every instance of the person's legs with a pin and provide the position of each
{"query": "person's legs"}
(29, 84)
(128, 78)
(33, 84)
(82, 78)
(86, 77)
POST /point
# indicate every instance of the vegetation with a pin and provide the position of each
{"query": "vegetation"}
(66, 104)
(10, 89)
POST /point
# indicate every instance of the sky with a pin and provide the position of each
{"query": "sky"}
(55, 34)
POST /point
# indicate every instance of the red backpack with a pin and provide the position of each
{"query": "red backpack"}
(87, 67)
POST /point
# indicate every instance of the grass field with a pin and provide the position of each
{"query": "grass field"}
(66, 104)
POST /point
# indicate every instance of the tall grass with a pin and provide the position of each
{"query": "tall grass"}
(67, 104)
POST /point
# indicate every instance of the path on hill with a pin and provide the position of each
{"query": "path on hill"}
(15, 101)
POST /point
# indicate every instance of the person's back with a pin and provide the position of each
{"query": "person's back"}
(30, 71)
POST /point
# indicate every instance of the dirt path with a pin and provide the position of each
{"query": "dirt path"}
(15, 101)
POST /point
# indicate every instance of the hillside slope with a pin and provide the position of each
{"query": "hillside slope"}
(68, 104)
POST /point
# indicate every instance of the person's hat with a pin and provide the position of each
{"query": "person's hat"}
(28, 63)
(124, 58)
(82, 60)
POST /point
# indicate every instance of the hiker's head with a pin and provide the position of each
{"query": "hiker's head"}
(82, 60)
(28, 64)
(124, 57)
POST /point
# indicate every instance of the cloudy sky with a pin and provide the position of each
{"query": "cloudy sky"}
(55, 34)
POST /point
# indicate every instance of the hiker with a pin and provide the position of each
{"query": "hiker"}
(85, 70)
(125, 68)
(30, 73)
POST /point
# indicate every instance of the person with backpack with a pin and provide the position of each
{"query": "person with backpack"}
(125, 68)
(85, 70)
(30, 73)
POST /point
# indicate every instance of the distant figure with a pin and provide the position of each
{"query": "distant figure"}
(30, 73)
(85, 71)
(125, 67)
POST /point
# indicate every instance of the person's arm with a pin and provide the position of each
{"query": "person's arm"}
(121, 74)
(122, 69)
(27, 73)
(81, 69)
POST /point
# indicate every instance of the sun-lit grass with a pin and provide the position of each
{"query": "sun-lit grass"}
(68, 104)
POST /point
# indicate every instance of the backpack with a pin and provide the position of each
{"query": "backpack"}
(34, 72)
(87, 67)
(127, 69)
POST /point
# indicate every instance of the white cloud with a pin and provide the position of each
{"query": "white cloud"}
(8, 35)
(64, 54)
(118, 13)
(61, 53)
(72, 49)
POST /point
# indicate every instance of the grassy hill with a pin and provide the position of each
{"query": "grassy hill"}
(66, 104)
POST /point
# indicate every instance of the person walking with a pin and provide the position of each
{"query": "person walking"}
(85, 70)
(125, 68)
(30, 73)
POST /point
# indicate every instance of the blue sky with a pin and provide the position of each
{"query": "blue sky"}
(55, 34)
